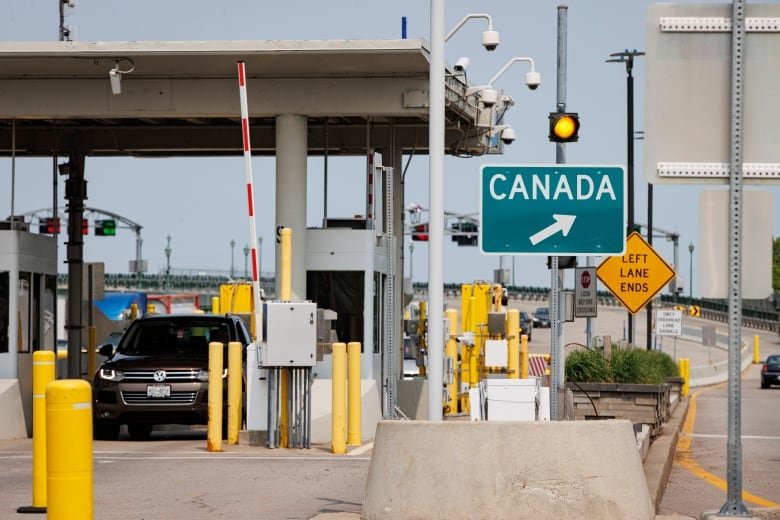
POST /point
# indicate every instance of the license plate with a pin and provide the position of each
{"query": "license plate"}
(158, 391)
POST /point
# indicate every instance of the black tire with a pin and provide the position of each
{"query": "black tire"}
(139, 432)
(106, 430)
(764, 385)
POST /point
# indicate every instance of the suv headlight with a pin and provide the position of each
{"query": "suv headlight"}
(110, 374)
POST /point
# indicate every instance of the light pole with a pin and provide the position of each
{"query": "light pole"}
(690, 275)
(168, 263)
(627, 57)
(232, 247)
(259, 257)
(246, 258)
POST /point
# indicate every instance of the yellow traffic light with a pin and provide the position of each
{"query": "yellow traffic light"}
(564, 127)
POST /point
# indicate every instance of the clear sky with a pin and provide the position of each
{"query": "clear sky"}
(199, 202)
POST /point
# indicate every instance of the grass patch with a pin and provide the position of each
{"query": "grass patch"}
(636, 366)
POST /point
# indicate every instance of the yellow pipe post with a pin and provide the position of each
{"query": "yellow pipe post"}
(285, 290)
(69, 491)
(354, 437)
(234, 391)
(473, 368)
(150, 308)
(465, 377)
(756, 349)
(339, 399)
(524, 356)
(451, 351)
(91, 352)
(214, 430)
(42, 375)
(285, 294)
(133, 311)
(513, 340)
(215, 305)
(422, 333)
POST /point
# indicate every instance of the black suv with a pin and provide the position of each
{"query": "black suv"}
(159, 372)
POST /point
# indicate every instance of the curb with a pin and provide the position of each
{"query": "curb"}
(660, 457)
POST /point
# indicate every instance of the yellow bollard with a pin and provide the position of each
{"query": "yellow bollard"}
(524, 356)
(451, 351)
(354, 437)
(234, 391)
(43, 374)
(214, 430)
(756, 350)
(473, 369)
(150, 308)
(513, 338)
(685, 373)
(133, 311)
(69, 491)
(339, 398)
(215, 305)
(91, 352)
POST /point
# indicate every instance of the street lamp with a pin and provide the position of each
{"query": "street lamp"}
(627, 57)
(690, 275)
(168, 263)
(232, 247)
(246, 258)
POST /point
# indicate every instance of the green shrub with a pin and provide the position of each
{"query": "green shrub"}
(587, 366)
(632, 365)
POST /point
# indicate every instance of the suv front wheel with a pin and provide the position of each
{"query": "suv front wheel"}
(106, 430)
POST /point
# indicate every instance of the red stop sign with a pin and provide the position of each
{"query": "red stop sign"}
(585, 279)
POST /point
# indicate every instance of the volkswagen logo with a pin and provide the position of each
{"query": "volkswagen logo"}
(159, 375)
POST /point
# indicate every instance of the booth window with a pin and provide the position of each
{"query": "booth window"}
(4, 295)
(23, 312)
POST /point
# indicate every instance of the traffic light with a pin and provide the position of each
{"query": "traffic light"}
(85, 227)
(420, 232)
(564, 127)
(49, 226)
(105, 228)
(465, 233)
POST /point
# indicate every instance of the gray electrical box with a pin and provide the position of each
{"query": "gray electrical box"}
(290, 332)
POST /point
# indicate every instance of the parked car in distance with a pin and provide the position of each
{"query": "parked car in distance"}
(526, 324)
(542, 317)
(158, 373)
(770, 372)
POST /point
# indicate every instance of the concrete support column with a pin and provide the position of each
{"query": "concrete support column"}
(291, 155)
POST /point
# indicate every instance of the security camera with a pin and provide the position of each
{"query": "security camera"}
(116, 80)
(489, 97)
(533, 80)
(490, 40)
(508, 135)
(462, 64)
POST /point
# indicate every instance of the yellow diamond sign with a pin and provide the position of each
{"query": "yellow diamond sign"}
(637, 276)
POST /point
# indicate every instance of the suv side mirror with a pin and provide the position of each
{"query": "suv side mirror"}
(106, 350)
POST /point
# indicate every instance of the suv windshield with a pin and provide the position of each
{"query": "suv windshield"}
(175, 337)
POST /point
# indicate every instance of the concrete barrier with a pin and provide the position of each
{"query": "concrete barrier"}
(506, 470)
(12, 425)
(705, 375)
(371, 409)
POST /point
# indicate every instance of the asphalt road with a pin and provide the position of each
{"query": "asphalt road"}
(697, 481)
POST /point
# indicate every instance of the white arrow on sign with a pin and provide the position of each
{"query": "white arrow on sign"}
(563, 223)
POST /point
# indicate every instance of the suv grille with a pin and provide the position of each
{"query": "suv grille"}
(170, 375)
(175, 398)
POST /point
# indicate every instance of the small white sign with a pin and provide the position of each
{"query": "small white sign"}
(668, 323)
(585, 298)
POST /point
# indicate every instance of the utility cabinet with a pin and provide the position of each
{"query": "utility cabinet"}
(290, 332)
